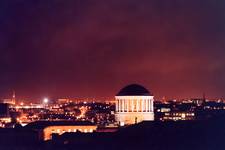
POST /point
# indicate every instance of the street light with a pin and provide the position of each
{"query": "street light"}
(45, 101)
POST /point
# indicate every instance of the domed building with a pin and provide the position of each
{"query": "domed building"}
(134, 104)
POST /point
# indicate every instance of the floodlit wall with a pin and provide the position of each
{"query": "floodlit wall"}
(47, 132)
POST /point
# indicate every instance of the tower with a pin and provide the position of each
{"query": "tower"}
(14, 97)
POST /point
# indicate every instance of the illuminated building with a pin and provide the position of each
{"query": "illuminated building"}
(8, 101)
(4, 114)
(47, 128)
(4, 110)
(179, 116)
(11, 101)
(63, 101)
(134, 104)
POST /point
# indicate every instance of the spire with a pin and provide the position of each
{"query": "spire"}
(14, 97)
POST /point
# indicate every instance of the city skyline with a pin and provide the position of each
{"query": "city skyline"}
(52, 99)
(92, 49)
(112, 74)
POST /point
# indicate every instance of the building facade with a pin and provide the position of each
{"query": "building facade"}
(134, 104)
(47, 128)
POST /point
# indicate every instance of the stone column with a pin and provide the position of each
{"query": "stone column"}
(126, 105)
(132, 105)
(137, 105)
(116, 105)
(152, 105)
(146, 105)
(119, 105)
(123, 105)
(128, 109)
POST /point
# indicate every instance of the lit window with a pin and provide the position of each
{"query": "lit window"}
(75, 130)
(85, 130)
(91, 130)
(121, 123)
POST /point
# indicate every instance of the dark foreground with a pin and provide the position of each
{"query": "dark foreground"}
(194, 135)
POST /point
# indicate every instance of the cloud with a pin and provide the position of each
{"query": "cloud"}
(87, 48)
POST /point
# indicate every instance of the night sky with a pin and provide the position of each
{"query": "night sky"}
(92, 48)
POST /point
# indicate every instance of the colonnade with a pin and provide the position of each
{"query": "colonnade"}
(134, 105)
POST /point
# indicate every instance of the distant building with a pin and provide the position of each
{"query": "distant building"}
(178, 115)
(63, 101)
(134, 104)
(11, 101)
(198, 101)
(4, 114)
(4, 110)
(47, 128)
(8, 101)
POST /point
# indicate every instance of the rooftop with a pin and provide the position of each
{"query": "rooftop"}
(134, 90)
(44, 124)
